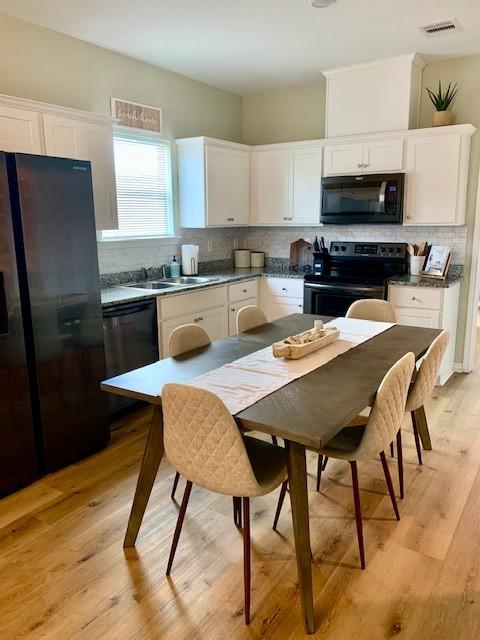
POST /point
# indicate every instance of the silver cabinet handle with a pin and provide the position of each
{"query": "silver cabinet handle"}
(230, 219)
(360, 165)
(199, 319)
(244, 290)
(232, 309)
(284, 218)
(409, 217)
(283, 289)
(413, 298)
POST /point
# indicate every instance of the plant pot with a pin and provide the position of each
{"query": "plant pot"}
(442, 118)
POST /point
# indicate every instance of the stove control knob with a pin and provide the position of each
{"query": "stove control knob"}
(337, 248)
(382, 250)
(391, 250)
(399, 250)
(344, 248)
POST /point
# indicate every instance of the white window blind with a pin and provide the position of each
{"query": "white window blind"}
(142, 169)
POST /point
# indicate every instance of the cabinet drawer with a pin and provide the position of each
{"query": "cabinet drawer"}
(181, 304)
(288, 287)
(233, 309)
(416, 297)
(242, 291)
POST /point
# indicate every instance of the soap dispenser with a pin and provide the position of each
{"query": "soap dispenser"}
(174, 268)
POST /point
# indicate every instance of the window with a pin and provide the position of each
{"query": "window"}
(143, 177)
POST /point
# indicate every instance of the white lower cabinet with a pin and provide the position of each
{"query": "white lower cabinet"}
(233, 309)
(281, 296)
(433, 308)
(214, 321)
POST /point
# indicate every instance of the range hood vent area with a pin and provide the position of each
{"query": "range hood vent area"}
(374, 97)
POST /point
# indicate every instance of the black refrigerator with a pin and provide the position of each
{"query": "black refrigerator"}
(52, 358)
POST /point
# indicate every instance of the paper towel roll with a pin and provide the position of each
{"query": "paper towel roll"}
(189, 259)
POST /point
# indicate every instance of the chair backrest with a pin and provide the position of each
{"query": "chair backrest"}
(388, 409)
(427, 374)
(250, 317)
(203, 442)
(372, 309)
(187, 337)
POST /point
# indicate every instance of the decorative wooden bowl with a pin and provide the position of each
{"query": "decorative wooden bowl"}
(295, 347)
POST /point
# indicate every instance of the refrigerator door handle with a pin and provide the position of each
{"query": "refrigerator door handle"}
(4, 322)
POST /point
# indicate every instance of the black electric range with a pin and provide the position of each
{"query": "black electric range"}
(352, 271)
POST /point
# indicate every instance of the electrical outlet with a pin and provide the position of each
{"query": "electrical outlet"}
(209, 246)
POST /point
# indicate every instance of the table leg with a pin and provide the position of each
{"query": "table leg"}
(422, 426)
(297, 479)
(152, 457)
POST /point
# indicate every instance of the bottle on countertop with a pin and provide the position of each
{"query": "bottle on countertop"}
(174, 268)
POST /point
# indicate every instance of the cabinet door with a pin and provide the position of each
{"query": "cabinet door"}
(63, 137)
(20, 130)
(419, 317)
(433, 164)
(281, 307)
(381, 156)
(307, 179)
(97, 146)
(214, 321)
(271, 187)
(341, 159)
(227, 186)
(233, 309)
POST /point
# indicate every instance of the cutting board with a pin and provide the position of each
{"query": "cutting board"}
(301, 255)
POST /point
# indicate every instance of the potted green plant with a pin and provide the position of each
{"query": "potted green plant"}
(441, 101)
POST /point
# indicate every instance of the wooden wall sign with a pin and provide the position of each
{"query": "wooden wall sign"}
(138, 116)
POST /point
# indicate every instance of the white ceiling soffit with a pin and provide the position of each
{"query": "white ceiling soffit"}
(247, 45)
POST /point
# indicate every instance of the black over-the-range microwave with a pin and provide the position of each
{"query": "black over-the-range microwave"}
(372, 199)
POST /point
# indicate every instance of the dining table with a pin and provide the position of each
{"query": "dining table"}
(306, 413)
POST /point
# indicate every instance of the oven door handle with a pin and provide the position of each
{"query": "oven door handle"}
(328, 288)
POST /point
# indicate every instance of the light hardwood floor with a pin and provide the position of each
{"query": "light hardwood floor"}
(64, 574)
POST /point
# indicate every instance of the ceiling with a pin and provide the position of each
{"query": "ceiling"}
(247, 45)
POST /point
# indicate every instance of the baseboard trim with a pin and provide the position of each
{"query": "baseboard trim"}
(458, 367)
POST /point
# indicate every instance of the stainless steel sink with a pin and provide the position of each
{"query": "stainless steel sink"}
(190, 280)
(153, 285)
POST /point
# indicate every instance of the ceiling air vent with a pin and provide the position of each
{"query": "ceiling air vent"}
(441, 28)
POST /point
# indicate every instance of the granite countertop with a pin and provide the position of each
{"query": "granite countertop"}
(122, 293)
(418, 281)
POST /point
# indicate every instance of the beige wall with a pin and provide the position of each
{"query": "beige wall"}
(285, 115)
(45, 65)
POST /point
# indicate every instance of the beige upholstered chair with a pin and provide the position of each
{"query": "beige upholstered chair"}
(372, 438)
(250, 317)
(371, 309)
(205, 445)
(420, 390)
(186, 338)
(183, 339)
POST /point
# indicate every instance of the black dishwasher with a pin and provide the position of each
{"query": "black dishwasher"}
(131, 341)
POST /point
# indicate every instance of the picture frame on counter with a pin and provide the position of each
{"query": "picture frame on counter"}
(437, 262)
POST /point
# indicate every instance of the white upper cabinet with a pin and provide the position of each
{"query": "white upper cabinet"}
(373, 156)
(271, 187)
(83, 140)
(286, 185)
(436, 176)
(213, 183)
(36, 127)
(19, 130)
(63, 137)
(228, 186)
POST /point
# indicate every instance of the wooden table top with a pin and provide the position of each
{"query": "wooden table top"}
(309, 410)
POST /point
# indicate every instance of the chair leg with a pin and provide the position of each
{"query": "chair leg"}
(417, 438)
(389, 484)
(392, 451)
(237, 511)
(325, 460)
(175, 484)
(178, 528)
(246, 557)
(274, 440)
(319, 470)
(281, 498)
(400, 464)
(358, 512)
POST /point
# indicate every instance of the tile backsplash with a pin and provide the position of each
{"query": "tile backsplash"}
(218, 244)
